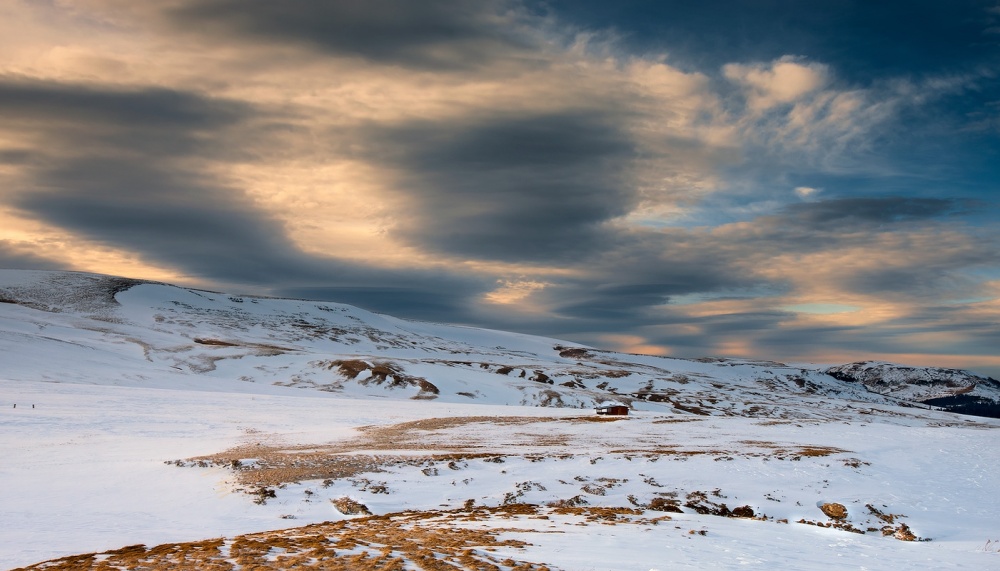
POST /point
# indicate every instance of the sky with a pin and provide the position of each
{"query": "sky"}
(774, 179)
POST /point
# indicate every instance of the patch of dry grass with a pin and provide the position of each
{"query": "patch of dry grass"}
(277, 464)
(402, 540)
(429, 541)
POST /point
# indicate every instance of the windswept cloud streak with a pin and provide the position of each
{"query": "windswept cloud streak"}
(516, 165)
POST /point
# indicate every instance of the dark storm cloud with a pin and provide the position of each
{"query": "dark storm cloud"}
(869, 211)
(637, 282)
(643, 284)
(687, 335)
(841, 223)
(436, 34)
(182, 220)
(711, 329)
(918, 332)
(73, 118)
(15, 157)
(623, 288)
(719, 325)
(812, 342)
(113, 165)
(922, 278)
(147, 108)
(620, 301)
(125, 168)
(512, 188)
(67, 114)
(949, 318)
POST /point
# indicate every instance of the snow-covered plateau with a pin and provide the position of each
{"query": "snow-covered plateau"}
(149, 426)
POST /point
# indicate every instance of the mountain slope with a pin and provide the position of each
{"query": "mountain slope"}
(74, 327)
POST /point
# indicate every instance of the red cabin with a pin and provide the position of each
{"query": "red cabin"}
(615, 409)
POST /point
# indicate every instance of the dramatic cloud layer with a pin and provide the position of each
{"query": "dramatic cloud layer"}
(649, 176)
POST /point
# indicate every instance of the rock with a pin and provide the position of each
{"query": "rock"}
(348, 506)
(903, 533)
(665, 505)
(834, 511)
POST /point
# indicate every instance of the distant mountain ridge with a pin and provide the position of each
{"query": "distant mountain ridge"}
(95, 329)
(950, 389)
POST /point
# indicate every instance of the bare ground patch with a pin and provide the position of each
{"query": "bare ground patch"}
(425, 540)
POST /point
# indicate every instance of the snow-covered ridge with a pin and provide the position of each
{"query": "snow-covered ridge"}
(75, 327)
(948, 388)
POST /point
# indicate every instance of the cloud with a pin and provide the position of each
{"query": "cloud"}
(485, 164)
(139, 169)
(798, 114)
(150, 108)
(783, 81)
(433, 34)
(510, 292)
(806, 192)
(527, 187)
(725, 290)
(13, 256)
(171, 218)
(120, 166)
(73, 118)
(848, 213)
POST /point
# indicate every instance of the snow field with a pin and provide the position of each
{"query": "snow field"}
(84, 471)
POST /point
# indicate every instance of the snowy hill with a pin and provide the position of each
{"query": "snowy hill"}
(157, 335)
(237, 432)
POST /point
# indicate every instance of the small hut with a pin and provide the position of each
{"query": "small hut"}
(613, 409)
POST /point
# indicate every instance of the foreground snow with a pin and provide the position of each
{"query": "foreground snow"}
(84, 471)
